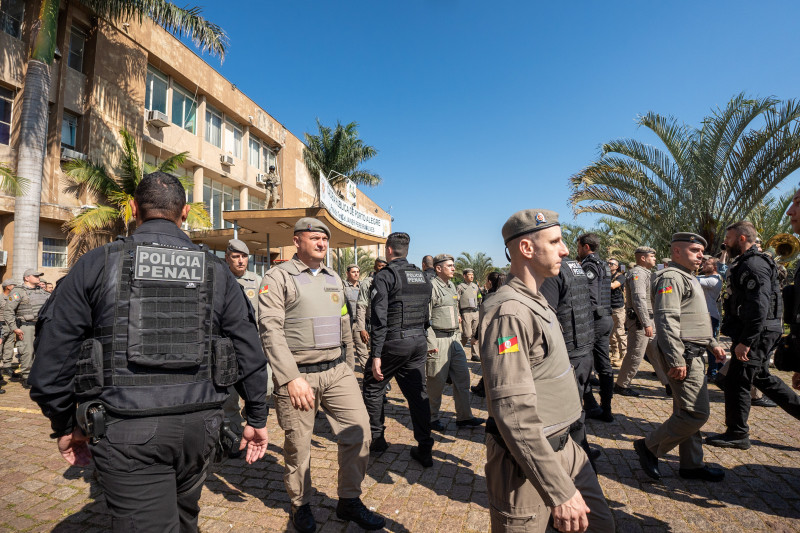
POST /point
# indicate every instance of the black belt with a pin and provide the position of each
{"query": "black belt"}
(557, 441)
(320, 367)
(404, 334)
(692, 350)
(27, 322)
(469, 309)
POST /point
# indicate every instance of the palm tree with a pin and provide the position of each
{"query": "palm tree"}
(10, 183)
(99, 224)
(338, 153)
(769, 216)
(570, 234)
(480, 263)
(618, 239)
(342, 257)
(36, 87)
(702, 179)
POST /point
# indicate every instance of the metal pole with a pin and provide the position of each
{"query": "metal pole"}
(235, 230)
(269, 254)
(355, 251)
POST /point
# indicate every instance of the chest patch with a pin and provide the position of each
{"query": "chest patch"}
(159, 264)
(415, 278)
(576, 268)
(251, 293)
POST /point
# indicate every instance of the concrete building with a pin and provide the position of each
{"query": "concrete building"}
(142, 79)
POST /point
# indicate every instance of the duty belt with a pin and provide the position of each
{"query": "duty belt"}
(444, 332)
(27, 322)
(320, 367)
(469, 309)
(557, 441)
(404, 334)
(692, 350)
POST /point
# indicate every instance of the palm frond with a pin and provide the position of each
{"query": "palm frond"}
(198, 217)
(84, 176)
(10, 183)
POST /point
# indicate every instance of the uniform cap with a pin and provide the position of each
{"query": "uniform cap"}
(689, 237)
(352, 265)
(32, 272)
(666, 260)
(381, 259)
(706, 257)
(441, 258)
(8, 282)
(644, 250)
(468, 271)
(235, 245)
(526, 221)
(311, 224)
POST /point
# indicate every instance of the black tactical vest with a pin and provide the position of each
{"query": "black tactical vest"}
(737, 281)
(603, 283)
(153, 346)
(409, 298)
(575, 310)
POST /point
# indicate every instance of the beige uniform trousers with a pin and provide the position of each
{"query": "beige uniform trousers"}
(449, 360)
(8, 349)
(516, 506)
(469, 326)
(638, 345)
(755, 394)
(336, 391)
(618, 342)
(361, 349)
(25, 350)
(690, 412)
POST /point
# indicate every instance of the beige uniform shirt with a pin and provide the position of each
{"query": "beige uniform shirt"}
(511, 391)
(473, 299)
(637, 295)
(250, 283)
(277, 292)
(363, 307)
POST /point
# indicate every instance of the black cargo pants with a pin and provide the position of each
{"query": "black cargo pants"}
(152, 469)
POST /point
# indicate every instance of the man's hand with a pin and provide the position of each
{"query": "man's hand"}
(648, 331)
(435, 350)
(18, 332)
(301, 394)
(741, 352)
(364, 336)
(255, 440)
(74, 448)
(376, 369)
(796, 380)
(570, 516)
(719, 354)
(677, 373)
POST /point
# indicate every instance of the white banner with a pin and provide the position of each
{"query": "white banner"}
(348, 214)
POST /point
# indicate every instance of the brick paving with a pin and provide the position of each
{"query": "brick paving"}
(40, 492)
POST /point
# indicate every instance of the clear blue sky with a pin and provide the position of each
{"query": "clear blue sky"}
(481, 109)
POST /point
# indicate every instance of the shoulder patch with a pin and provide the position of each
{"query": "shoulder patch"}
(14, 296)
(752, 284)
(508, 344)
(264, 289)
(666, 289)
(590, 274)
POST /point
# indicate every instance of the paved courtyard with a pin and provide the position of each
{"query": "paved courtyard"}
(40, 492)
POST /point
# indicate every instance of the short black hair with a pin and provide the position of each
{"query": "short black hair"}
(427, 261)
(398, 242)
(592, 239)
(743, 227)
(160, 195)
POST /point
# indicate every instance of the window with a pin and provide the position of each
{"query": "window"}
(156, 90)
(213, 126)
(77, 42)
(254, 156)
(54, 253)
(6, 99)
(218, 198)
(233, 139)
(11, 13)
(270, 159)
(184, 108)
(254, 202)
(69, 130)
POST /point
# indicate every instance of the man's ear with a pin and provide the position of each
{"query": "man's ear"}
(134, 209)
(185, 213)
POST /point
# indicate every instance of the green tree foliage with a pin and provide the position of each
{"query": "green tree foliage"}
(701, 179)
(341, 257)
(769, 216)
(338, 153)
(10, 183)
(99, 224)
(480, 263)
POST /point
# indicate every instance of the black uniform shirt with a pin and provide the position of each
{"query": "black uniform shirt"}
(592, 270)
(68, 319)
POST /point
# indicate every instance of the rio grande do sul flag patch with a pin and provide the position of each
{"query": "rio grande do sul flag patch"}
(665, 290)
(507, 345)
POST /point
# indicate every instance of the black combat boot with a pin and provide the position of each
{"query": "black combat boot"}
(302, 519)
(353, 510)
(422, 454)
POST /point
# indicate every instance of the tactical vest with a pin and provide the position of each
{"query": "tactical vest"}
(695, 322)
(30, 302)
(314, 320)
(444, 308)
(603, 283)
(575, 310)
(736, 300)
(409, 298)
(791, 304)
(249, 283)
(630, 294)
(154, 349)
(558, 403)
(351, 293)
(618, 294)
(469, 297)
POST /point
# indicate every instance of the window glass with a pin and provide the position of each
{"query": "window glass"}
(54, 253)
(233, 139)
(11, 14)
(184, 108)
(6, 99)
(254, 157)
(77, 42)
(254, 202)
(269, 159)
(69, 130)
(156, 90)
(213, 127)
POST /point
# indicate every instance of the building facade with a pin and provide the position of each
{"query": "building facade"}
(140, 78)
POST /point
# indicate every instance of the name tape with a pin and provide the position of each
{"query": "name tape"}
(160, 264)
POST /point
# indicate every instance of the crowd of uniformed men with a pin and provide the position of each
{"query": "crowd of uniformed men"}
(145, 348)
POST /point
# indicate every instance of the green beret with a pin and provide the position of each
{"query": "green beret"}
(235, 245)
(441, 258)
(689, 237)
(526, 221)
(644, 250)
(311, 224)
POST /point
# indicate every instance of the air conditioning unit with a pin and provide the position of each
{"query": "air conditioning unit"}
(157, 118)
(3, 257)
(226, 160)
(67, 154)
(261, 178)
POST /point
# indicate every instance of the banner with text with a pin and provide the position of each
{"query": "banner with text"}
(348, 214)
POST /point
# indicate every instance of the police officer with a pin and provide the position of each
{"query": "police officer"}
(351, 290)
(533, 468)
(151, 331)
(618, 343)
(753, 322)
(400, 297)
(789, 348)
(446, 357)
(599, 276)
(8, 335)
(306, 335)
(568, 294)
(21, 314)
(684, 326)
(427, 267)
(469, 298)
(364, 311)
